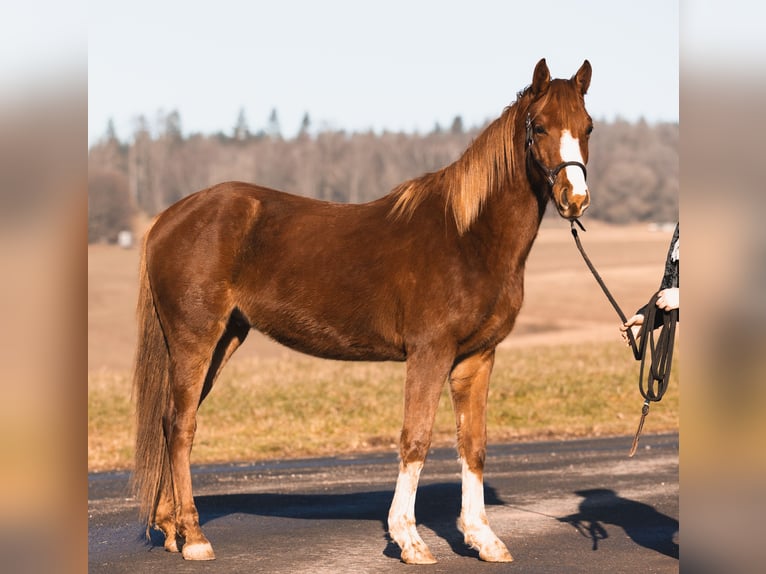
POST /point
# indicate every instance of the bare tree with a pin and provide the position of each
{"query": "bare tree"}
(633, 168)
(109, 207)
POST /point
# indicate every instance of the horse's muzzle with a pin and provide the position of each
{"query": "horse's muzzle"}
(570, 205)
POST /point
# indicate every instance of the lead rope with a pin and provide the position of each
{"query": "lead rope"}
(654, 385)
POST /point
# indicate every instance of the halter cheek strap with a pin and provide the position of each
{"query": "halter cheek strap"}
(550, 174)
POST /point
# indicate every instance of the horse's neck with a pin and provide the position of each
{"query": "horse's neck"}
(514, 207)
(509, 223)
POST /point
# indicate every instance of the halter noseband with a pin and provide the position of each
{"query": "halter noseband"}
(550, 174)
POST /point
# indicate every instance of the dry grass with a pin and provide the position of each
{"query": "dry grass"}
(275, 408)
(562, 373)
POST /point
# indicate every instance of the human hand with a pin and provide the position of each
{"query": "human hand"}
(668, 299)
(634, 324)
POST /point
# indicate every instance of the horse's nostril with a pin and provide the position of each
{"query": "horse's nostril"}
(564, 201)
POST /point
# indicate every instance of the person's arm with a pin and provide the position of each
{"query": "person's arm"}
(634, 324)
(668, 296)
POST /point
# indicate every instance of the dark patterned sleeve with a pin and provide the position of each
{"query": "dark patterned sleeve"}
(671, 277)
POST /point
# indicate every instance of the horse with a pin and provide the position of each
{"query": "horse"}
(431, 274)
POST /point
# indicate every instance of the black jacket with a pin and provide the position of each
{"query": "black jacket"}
(670, 277)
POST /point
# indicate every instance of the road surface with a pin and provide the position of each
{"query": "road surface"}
(560, 506)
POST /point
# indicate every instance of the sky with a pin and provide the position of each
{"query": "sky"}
(358, 65)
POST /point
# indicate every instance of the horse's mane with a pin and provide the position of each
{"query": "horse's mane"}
(488, 163)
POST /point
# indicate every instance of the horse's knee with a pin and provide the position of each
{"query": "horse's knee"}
(471, 449)
(413, 449)
(474, 458)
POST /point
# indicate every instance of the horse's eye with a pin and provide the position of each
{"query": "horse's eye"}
(540, 130)
(588, 130)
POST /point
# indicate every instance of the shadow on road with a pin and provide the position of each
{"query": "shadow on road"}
(641, 522)
(437, 508)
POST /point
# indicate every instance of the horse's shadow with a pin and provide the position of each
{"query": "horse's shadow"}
(437, 508)
(641, 522)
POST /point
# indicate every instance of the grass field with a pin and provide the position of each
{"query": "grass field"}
(562, 372)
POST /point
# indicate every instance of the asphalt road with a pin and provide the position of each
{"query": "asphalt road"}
(571, 506)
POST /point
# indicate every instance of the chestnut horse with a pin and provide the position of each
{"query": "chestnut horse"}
(431, 274)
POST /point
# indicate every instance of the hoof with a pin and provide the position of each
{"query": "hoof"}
(421, 556)
(490, 548)
(198, 551)
(500, 555)
(495, 552)
(169, 532)
(171, 545)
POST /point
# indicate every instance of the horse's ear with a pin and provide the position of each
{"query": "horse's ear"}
(541, 78)
(582, 77)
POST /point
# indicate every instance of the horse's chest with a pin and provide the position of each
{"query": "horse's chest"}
(490, 325)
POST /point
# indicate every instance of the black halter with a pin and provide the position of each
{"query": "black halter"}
(550, 174)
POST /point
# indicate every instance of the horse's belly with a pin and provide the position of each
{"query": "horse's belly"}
(347, 340)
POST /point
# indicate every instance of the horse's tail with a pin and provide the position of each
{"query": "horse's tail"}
(151, 392)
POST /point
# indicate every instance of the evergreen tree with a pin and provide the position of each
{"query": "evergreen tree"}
(172, 126)
(241, 129)
(305, 125)
(273, 129)
(457, 125)
(111, 132)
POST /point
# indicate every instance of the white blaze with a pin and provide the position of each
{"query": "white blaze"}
(570, 151)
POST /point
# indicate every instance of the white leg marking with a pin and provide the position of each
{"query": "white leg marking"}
(401, 517)
(473, 521)
(570, 151)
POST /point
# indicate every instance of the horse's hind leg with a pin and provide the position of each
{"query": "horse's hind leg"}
(194, 367)
(187, 375)
(165, 513)
(426, 374)
(469, 384)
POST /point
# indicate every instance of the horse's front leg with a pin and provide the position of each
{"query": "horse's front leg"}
(426, 372)
(469, 385)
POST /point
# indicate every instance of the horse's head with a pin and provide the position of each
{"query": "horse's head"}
(557, 130)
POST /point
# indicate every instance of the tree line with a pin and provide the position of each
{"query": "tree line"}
(632, 170)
